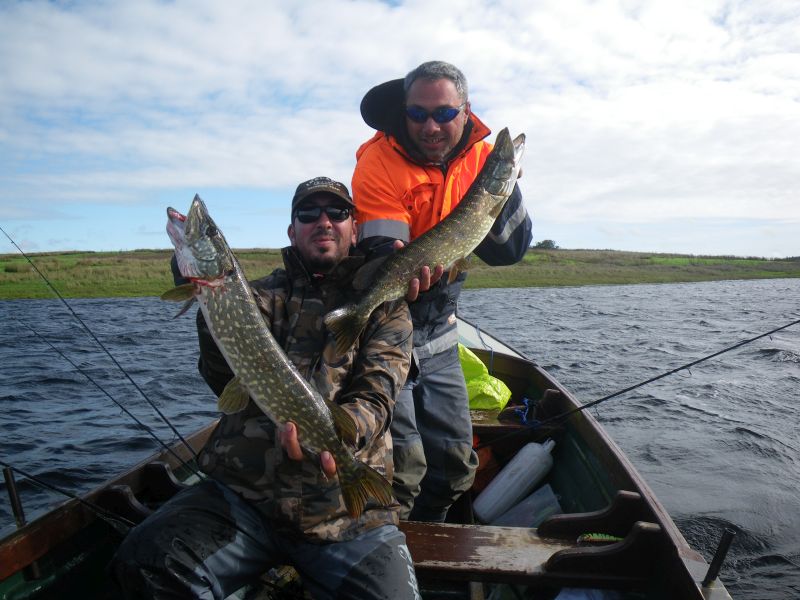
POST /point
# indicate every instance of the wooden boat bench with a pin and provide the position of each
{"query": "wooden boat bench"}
(549, 555)
(519, 555)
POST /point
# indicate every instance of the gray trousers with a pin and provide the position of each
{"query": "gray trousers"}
(207, 542)
(432, 437)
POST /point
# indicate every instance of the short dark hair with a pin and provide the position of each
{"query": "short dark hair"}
(438, 69)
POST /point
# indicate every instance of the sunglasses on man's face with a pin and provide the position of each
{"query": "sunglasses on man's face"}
(443, 114)
(310, 214)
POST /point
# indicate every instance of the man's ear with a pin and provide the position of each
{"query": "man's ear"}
(290, 233)
(354, 237)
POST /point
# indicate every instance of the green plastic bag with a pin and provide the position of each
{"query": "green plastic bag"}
(485, 391)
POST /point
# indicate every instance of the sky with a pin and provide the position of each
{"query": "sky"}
(653, 126)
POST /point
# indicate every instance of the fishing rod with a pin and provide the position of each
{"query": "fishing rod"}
(99, 343)
(689, 365)
(83, 372)
(535, 423)
(118, 522)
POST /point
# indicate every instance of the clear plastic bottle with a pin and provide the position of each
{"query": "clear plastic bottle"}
(515, 481)
(531, 511)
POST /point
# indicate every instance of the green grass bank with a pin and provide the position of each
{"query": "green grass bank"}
(146, 272)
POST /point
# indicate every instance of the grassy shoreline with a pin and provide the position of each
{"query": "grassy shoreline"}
(146, 272)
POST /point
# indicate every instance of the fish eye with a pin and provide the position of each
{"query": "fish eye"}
(211, 231)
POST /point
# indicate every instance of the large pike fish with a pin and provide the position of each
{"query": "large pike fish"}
(262, 370)
(448, 243)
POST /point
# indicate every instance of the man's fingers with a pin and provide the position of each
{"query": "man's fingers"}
(327, 463)
(413, 290)
(437, 274)
(424, 279)
(289, 442)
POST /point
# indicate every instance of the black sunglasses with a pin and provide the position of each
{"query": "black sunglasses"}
(310, 214)
(443, 114)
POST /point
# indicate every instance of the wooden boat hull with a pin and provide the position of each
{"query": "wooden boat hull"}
(599, 489)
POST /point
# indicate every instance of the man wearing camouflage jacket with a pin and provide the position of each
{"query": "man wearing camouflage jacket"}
(264, 504)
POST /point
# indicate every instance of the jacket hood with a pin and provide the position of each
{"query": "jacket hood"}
(382, 106)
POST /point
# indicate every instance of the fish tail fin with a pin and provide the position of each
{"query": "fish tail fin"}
(359, 484)
(346, 324)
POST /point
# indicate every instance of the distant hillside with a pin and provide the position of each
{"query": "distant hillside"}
(146, 272)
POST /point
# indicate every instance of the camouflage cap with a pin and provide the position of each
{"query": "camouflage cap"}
(320, 185)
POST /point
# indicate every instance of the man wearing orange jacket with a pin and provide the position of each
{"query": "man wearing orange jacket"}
(428, 149)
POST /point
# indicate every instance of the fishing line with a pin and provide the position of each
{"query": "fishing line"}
(114, 400)
(563, 416)
(99, 343)
(566, 414)
(116, 521)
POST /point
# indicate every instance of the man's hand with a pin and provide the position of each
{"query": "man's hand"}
(425, 280)
(288, 437)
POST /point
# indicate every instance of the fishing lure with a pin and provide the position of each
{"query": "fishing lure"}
(598, 538)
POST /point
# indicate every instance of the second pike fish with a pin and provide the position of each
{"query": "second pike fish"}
(262, 370)
(448, 243)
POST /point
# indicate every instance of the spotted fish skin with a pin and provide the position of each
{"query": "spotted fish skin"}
(447, 243)
(262, 370)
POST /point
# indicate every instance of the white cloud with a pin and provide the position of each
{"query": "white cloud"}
(636, 112)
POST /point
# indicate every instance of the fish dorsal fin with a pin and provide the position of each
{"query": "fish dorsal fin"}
(460, 265)
(234, 397)
(180, 293)
(366, 274)
(344, 424)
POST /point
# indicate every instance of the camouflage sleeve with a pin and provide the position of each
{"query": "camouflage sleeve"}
(379, 371)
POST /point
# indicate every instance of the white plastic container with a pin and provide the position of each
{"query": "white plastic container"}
(521, 475)
(531, 511)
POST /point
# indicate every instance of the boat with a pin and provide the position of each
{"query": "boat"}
(611, 538)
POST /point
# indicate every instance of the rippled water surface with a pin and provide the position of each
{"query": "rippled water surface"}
(719, 444)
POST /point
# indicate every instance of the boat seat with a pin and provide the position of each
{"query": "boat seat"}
(518, 555)
(549, 555)
(120, 500)
(161, 481)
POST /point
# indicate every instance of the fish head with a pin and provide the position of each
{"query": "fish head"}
(507, 162)
(201, 250)
(509, 155)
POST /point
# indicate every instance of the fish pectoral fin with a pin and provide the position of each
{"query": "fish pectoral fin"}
(366, 273)
(460, 265)
(344, 424)
(346, 324)
(234, 397)
(180, 293)
(186, 306)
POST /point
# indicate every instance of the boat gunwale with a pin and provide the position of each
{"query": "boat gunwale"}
(33, 541)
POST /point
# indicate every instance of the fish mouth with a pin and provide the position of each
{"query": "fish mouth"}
(176, 229)
(173, 215)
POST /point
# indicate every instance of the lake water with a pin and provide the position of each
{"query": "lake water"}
(719, 444)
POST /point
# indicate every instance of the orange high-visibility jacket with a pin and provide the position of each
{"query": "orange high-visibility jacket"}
(398, 198)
